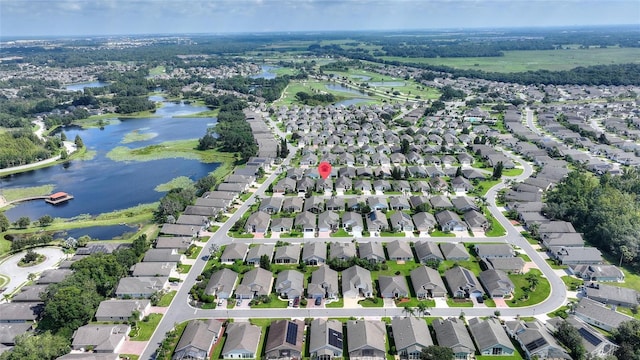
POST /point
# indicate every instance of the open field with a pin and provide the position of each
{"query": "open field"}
(171, 149)
(519, 61)
(19, 193)
(385, 85)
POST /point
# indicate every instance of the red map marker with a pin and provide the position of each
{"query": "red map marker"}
(324, 169)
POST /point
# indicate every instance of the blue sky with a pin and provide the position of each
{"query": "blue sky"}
(110, 17)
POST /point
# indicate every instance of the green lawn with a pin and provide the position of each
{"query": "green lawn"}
(166, 299)
(413, 302)
(490, 303)
(195, 253)
(340, 233)
(438, 233)
(524, 257)
(275, 303)
(526, 60)
(392, 234)
(472, 265)
(459, 303)
(512, 172)
(146, 328)
(369, 302)
(556, 266)
(336, 304)
(496, 228)
(571, 282)
(484, 186)
(541, 292)
(183, 269)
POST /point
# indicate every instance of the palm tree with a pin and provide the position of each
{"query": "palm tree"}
(409, 311)
(533, 281)
(422, 308)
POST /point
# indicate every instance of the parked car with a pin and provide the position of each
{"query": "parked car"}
(318, 301)
(296, 301)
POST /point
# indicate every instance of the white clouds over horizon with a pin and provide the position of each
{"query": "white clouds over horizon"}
(104, 17)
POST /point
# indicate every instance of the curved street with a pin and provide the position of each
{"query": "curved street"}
(180, 310)
(19, 275)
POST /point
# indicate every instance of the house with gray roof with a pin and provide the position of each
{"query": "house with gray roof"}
(424, 221)
(611, 295)
(535, 340)
(440, 202)
(336, 204)
(371, 251)
(494, 250)
(122, 310)
(100, 338)
(154, 269)
(427, 251)
(53, 276)
(399, 203)
(342, 251)
(234, 252)
(352, 221)
(463, 203)
(399, 251)
(89, 356)
(562, 239)
(454, 251)
(401, 221)
(196, 220)
(306, 221)
(197, 339)
(285, 339)
(496, 283)
(162, 255)
(356, 282)
(419, 200)
(463, 283)
(452, 333)
(30, 293)
(328, 221)
(289, 254)
(9, 333)
(599, 315)
(598, 272)
(281, 225)
(323, 284)
(427, 283)
(510, 265)
(141, 287)
(392, 287)
(366, 339)
(490, 337)
(292, 204)
(181, 243)
(271, 205)
(289, 284)
(258, 251)
(576, 255)
(254, 283)
(325, 339)
(595, 343)
(476, 221)
(314, 204)
(20, 312)
(242, 341)
(258, 222)
(314, 253)
(410, 335)
(221, 283)
(450, 221)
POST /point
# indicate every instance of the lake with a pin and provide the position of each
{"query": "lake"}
(342, 88)
(82, 86)
(350, 102)
(386, 83)
(102, 185)
(266, 72)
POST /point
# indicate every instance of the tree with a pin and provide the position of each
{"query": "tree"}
(78, 141)
(30, 257)
(408, 311)
(571, 338)
(405, 146)
(533, 281)
(64, 155)
(140, 245)
(497, 170)
(627, 335)
(23, 222)
(458, 171)
(69, 307)
(265, 262)
(435, 352)
(422, 308)
(45, 220)
(45, 346)
(63, 136)
(4, 222)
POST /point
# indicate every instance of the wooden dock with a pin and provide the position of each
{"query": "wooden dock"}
(58, 198)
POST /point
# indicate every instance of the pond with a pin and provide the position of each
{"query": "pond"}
(386, 83)
(266, 72)
(350, 102)
(342, 88)
(102, 185)
(82, 86)
(360, 77)
(98, 232)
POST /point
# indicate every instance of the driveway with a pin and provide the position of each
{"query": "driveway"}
(19, 275)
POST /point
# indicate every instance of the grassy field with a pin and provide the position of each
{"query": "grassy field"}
(459, 303)
(512, 172)
(368, 302)
(171, 149)
(136, 135)
(336, 304)
(496, 228)
(19, 193)
(167, 298)
(179, 182)
(541, 292)
(571, 282)
(146, 328)
(518, 61)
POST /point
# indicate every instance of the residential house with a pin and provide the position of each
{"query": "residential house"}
(356, 282)
(576, 255)
(323, 284)
(427, 251)
(427, 283)
(366, 340)
(463, 283)
(122, 310)
(292, 204)
(401, 221)
(452, 333)
(142, 287)
(378, 203)
(328, 221)
(306, 222)
(393, 286)
(461, 184)
(399, 251)
(494, 250)
(284, 340)
(234, 252)
(463, 203)
(154, 269)
(314, 253)
(490, 337)
(258, 222)
(181, 243)
(242, 341)
(271, 205)
(54, 276)
(476, 221)
(181, 230)
(535, 340)
(611, 295)
(598, 272)
(281, 225)
(440, 202)
(30, 293)
(411, 335)
(335, 204)
(289, 254)
(496, 283)
(325, 339)
(510, 265)
(450, 221)
(222, 283)
(399, 203)
(454, 251)
(314, 204)
(371, 251)
(342, 251)
(289, 284)
(20, 312)
(594, 342)
(162, 255)
(352, 222)
(197, 339)
(424, 221)
(255, 283)
(257, 252)
(100, 338)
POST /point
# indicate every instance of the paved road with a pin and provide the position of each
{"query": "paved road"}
(180, 311)
(19, 275)
(529, 120)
